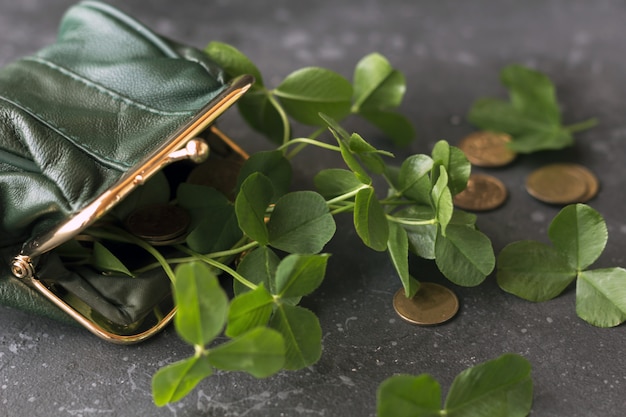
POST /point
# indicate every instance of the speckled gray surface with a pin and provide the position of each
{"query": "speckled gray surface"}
(451, 52)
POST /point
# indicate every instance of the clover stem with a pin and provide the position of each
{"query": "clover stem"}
(219, 265)
(578, 127)
(303, 143)
(282, 114)
(119, 235)
(346, 196)
(411, 222)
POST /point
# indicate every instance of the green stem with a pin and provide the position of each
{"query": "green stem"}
(304, 142)
(218, 265)
(346, 195)
(411, 222)
(118, 235)
(578, 127)
(342, 209)
(301, 146)
(282, 114)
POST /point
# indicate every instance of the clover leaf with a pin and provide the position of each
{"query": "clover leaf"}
(539, 272)
(378, 91)
(532, 116)
(309, 91)
(501, 387)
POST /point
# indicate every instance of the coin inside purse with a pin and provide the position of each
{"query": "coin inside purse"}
(113, 304)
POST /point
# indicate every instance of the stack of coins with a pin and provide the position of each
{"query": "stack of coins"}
(562, 183)
(490, 150)
(162, 224)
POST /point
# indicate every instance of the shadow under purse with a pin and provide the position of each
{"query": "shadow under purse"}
(83, 124)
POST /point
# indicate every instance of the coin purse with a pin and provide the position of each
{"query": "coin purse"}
(85, 122)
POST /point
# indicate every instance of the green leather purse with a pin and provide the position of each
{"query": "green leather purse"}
(84, 123)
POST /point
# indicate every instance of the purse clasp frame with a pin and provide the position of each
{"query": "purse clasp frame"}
(181, 145)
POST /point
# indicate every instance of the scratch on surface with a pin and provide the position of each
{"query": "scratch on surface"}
(130, 371)
(349, 319)
(256, 402)
(87, 410)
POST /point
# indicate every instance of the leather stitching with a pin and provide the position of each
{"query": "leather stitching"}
(118, 165)
(102, 89)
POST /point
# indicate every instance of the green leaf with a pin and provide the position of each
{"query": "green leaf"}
(214, 225)
(175, 381)
(533, 271)
(301, 223)
(105, 261)
(376, 84)
(500, 116)
(532, 93)
(370, 221)
(542, 140)
(334, 182)
(262, 115)
(302, 334)
(422, 236)
(369, 155)
(353, 163)
(601, 297)
(498, 388)
(464, 255)
(199, 319)
(300, 275)
(501, 387)
(258, 267)
(273, 165)
(398, 248)
(579, 232)
(532, 117)
(413, 170)
(309, 91)
(259, 352)
(457, 166)
(251, 205)
(409, 396)
(343, 139)
(394, 125)
(249, 310)
(233, 61)
(442, 199)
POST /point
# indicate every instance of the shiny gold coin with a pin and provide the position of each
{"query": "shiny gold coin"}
(593, 185)
(562, 183)
(220, 174)
(487, 149)
(483, 192)
(433, 304)
(159, 224)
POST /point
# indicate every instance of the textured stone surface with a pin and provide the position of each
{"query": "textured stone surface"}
(451, 53)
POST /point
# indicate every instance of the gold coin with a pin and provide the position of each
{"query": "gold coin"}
(592, 182)
(483, 192)
(433, 304)
(487, 149)
(562, 183)
(159, 224)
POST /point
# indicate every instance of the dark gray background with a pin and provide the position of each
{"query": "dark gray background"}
(451, 53)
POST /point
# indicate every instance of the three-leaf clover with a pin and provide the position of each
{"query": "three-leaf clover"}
(539, 272)
(500, 387)
(532, 116)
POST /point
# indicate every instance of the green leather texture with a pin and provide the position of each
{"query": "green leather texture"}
(75, 116)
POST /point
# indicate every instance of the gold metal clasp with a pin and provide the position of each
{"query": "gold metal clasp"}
(182, 145)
